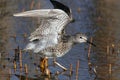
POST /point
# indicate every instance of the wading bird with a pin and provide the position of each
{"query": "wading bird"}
(49, 39)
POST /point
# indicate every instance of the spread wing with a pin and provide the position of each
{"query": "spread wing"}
(48, 33)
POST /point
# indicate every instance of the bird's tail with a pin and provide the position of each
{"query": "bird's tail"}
(35, 47)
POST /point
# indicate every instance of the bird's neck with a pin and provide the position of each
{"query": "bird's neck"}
(69, 40)
(72, 40)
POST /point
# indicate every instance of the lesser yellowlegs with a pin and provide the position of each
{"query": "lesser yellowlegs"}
(47, 40)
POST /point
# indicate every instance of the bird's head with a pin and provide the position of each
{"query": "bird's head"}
(80, 38)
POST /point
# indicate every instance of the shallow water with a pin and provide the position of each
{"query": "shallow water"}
(95, 18)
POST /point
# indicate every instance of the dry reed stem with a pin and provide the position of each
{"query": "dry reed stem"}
(71, 70)
(89, 50)
(20, 60)
(38, 5)
(15, 66)
(110, 69)
(78, 10)
(26, 69)
(77, 69)
(9, 73)
(108, 51)
(32, 4)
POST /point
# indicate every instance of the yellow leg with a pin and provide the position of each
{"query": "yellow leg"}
(44, 66)
(56, 63)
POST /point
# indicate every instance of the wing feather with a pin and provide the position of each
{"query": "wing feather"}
(47, 34)
(42, 13)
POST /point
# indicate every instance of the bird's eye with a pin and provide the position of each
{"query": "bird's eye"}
(80, 37)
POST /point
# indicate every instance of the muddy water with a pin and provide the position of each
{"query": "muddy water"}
(5, 31)
(108, 34)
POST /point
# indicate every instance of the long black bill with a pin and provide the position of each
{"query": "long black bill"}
(91, 43)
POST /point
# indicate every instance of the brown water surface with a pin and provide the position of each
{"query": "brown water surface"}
(108, 21)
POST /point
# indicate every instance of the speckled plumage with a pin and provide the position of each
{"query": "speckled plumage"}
(57, 50)
(63, 47)
(48, 40)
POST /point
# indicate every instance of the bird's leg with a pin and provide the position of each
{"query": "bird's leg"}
(54, 60)
(44, 66)
(60, 66)
(56, 63)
